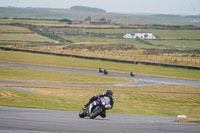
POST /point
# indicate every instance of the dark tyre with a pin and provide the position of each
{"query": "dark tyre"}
(100, 70)
(96, 113)
(82, 113)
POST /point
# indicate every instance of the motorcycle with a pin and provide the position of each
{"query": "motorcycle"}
(95, 108)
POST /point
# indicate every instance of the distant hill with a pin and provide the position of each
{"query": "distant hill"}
(87, 9)
(82, 13)
(166, 15)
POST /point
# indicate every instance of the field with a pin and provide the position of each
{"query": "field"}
(179, 47)
(177, 34)
(48, 60)
(163, 34)
(181, 44)
(24, 38)
(8, 34)
(99, 40)
(174, 44)
(11, 29)
(25, 21)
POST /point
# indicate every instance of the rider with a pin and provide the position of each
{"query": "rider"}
(109, 93)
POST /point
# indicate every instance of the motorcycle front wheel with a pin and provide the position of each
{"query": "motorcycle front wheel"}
(96, 113)
(82, 113)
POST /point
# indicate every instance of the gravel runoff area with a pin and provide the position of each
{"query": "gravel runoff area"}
(28, 120)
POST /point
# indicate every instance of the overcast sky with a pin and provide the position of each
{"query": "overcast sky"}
(186, 7)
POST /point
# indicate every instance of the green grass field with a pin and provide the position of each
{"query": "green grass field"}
(49, 60)
(170, 41)
(78, 39)
(172, 35)
(24, 37)
(10, 29)
(25, 21)
(177, 34)
(12, 73)
(163, 34)
(21, 34)
(180, 44)
(109, 31)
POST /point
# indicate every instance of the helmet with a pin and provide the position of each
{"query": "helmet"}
(109, 92)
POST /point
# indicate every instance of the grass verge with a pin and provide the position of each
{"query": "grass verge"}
(188, 121)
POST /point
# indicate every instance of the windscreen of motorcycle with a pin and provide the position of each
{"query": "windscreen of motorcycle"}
(105, 100)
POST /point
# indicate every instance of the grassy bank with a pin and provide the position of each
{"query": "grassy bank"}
(170, 100)
(49, 60)
(188, 121)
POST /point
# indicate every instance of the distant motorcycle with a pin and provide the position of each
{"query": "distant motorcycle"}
(95, 108)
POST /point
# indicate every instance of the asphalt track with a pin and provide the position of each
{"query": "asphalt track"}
(27, 120)
(23, 120)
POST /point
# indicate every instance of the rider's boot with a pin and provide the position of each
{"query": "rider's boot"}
(86, 104)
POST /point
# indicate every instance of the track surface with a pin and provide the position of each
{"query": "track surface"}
(23, 120)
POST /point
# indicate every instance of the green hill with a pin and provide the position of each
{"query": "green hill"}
(87, 9)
